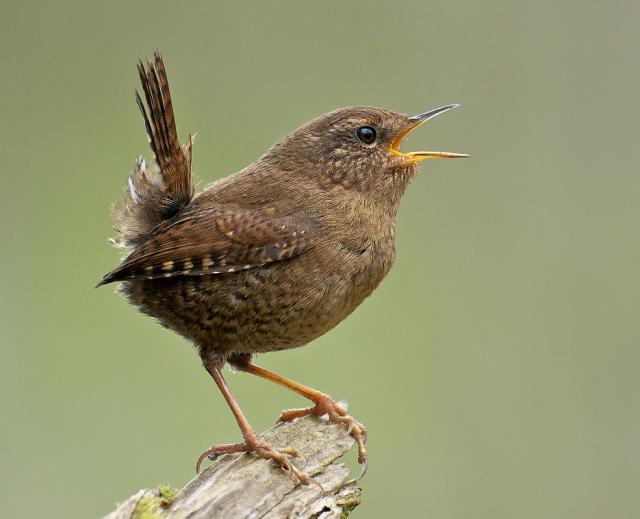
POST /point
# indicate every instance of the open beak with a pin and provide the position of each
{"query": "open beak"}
(417, 156)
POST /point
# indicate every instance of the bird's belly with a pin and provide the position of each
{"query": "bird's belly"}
(258, 310)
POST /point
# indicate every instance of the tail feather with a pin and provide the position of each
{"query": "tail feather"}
(161, 129)
(157, 193)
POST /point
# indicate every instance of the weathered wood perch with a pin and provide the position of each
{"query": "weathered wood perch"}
(239, 486)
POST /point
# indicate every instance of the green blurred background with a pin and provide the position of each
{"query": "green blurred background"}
(497, 365)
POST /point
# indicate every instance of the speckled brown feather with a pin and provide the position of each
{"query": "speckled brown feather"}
(213, 242)
(272, 256)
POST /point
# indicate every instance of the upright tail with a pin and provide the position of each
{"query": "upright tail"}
(158, 193)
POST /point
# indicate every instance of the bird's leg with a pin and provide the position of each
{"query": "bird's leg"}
(324, 404)
(252, 443)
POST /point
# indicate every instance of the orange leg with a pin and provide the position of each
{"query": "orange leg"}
(251, 441)
(324, 404)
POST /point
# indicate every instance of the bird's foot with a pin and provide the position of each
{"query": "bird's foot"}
(282, 456)
(325, 405)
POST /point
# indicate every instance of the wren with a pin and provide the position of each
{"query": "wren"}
(272, 256)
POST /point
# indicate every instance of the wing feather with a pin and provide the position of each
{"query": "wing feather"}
(214, 242)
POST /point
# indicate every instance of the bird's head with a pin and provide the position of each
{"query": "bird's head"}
(358, 148)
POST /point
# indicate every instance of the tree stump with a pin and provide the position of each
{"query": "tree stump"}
(239, 486)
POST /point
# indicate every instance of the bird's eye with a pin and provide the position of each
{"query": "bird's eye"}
(366, 134)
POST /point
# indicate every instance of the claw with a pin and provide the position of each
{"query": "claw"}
(201, 458)
(216, 451)
(286, 464)
(317, 483)
(260, 448)
(362, 452)
(364, 466)
(337, 413)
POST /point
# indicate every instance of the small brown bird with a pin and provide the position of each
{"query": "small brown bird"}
(268, 258)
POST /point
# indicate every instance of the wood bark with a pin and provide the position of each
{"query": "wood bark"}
(239, 486)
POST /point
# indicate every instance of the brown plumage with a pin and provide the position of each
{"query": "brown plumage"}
(272, 256)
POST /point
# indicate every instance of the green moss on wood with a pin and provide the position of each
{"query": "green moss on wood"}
(347, 500)
(154, 506)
